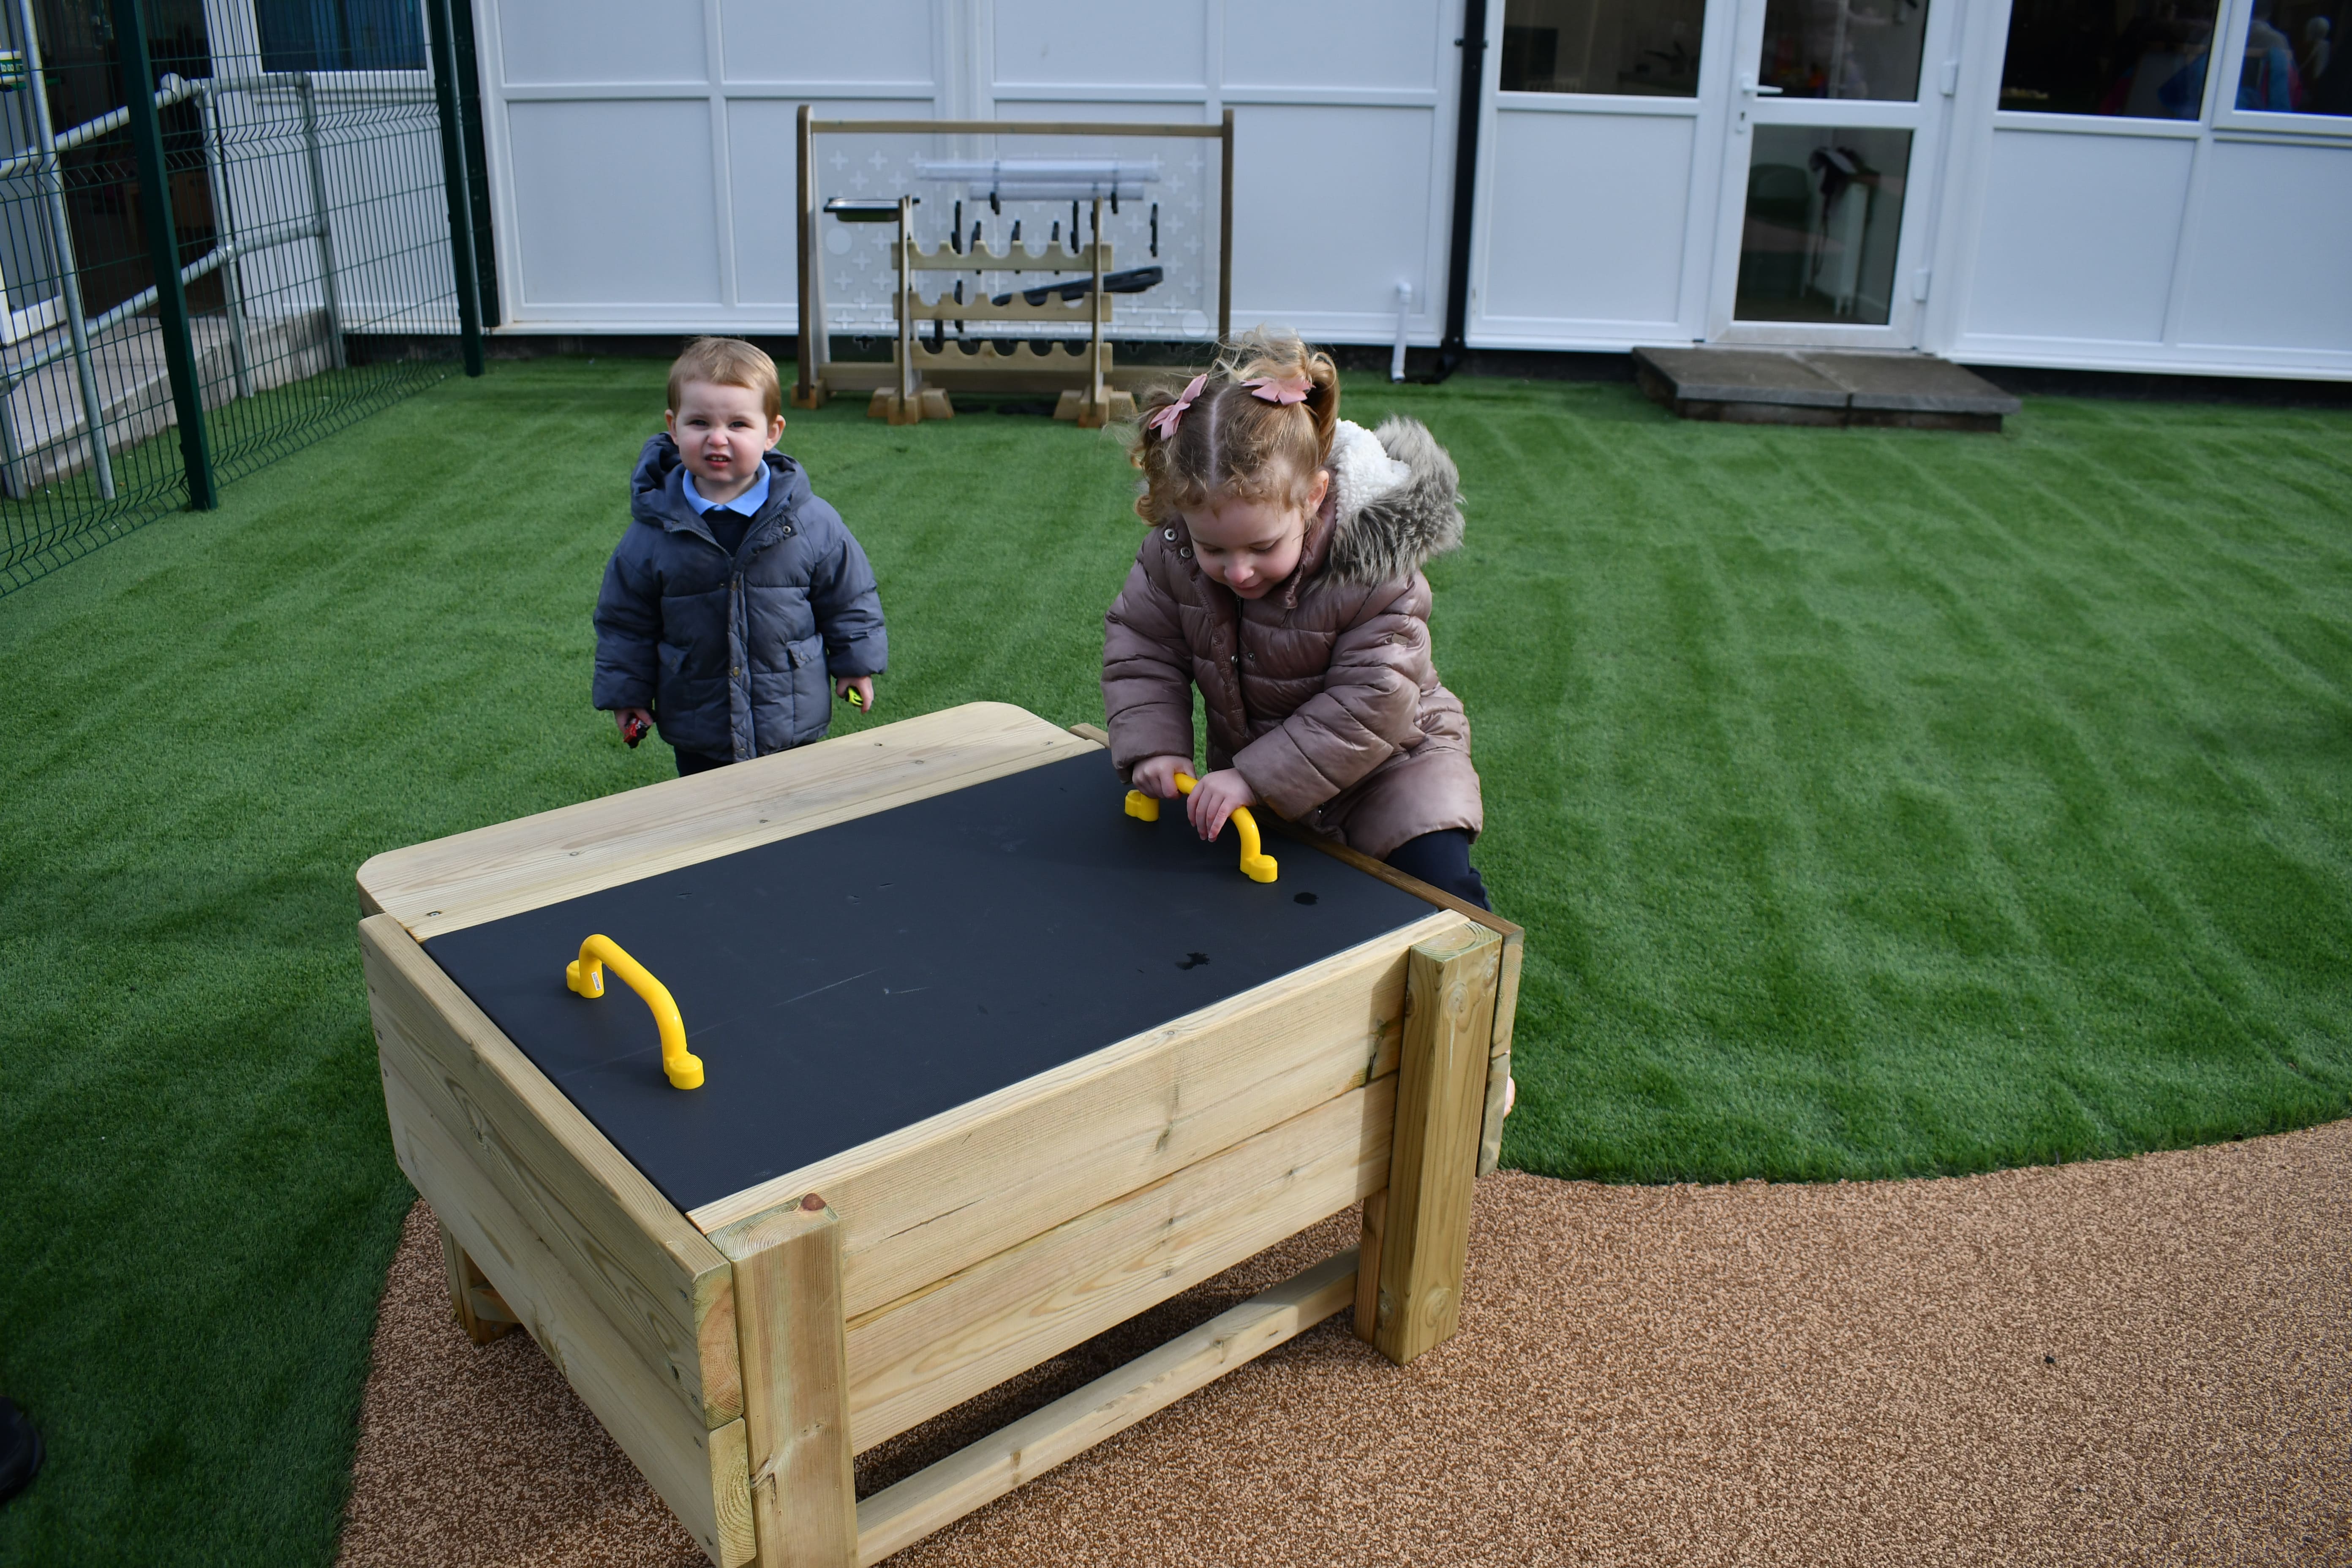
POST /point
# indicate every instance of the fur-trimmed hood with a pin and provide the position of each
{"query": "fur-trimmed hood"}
(1395, 502)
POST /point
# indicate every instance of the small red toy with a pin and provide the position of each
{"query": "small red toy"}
(634, 731)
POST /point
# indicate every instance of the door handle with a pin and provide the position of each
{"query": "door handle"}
(1753, 88)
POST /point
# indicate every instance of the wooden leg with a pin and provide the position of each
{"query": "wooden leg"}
(1368, 1267)
(1490, 1137)
(970, 1478)
(1450, 985)
(481, 1311)
(789, 1326)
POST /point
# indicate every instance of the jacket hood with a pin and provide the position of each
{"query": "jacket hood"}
(657, 486)
(1396, 502)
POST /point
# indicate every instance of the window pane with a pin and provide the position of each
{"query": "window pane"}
(2145, 58)
(2295, 62)
(340, 35)
(1824, 212)
(1602, 46)
(1844, 48)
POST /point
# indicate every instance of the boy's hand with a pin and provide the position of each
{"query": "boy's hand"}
(1156, 776)
(640, 718)
(862, 684)
(1213, 799)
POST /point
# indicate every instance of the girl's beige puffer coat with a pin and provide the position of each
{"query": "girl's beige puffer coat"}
(1321, 693)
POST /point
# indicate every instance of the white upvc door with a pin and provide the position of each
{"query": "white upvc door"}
(1835, 144)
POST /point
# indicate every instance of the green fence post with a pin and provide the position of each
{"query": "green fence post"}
(462, 264)
(164, 248)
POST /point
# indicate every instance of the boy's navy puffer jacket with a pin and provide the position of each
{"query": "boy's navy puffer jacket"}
(735, 655)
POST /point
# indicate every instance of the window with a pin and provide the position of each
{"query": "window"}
(2145, 58)
(2294, 61)
(340, 35)
(1844, 48)
(1648, 46)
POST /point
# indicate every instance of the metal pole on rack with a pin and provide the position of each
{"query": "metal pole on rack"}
(1225, 233)
(1098, 401)
(804, 392)
(463, 261)
(910, 403)
(225, 240)
(164, 250)
(93, 408)
(309, 87)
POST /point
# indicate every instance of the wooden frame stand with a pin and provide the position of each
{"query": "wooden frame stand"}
(743, 1354)
(916, 382)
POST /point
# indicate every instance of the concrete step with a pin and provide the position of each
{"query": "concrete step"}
(1821, 386)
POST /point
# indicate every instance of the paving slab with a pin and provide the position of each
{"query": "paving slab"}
(1913, 383)
(1743, 375)
(1820, 386)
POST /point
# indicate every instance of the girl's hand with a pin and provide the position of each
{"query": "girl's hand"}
(1214, 798)
(861, 684)
(1156, 776)
(624, 716)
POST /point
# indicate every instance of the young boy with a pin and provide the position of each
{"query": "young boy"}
(735, 592)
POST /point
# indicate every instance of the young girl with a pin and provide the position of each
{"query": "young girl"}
(1282, 576)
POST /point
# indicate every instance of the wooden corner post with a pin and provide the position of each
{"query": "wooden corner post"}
(788, 1324)
(1417, 1233)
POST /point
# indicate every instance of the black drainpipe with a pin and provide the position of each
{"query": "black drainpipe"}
(1472, 44)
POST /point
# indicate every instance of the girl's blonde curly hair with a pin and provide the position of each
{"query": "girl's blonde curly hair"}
(1231, 444)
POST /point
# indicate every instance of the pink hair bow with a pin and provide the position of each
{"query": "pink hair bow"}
(1166, 419)
(1281, 389)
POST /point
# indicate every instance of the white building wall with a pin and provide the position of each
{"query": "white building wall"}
(642, 175)
(2222, 245)
(642, 155)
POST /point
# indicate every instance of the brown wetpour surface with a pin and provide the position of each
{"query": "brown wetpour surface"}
(2146, 1361)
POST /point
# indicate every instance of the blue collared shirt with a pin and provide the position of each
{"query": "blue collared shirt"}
(748, 504)
(729, 522)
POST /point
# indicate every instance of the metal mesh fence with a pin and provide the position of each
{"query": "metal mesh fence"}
(301, 147)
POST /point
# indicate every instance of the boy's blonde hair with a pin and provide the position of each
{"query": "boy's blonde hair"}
(726, 362)
(1230, 443)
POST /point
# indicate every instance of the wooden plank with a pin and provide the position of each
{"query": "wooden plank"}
(1433, 1161)
(1368, 1270)
(932, 1499)
(653, 1276)
(731, 1496)
(1049, 1148)
(470, 877)
(665, 1440)
(915, 1358)
(796, 1386)
(1490, 1130)
(465, 1280)
(1506, 995)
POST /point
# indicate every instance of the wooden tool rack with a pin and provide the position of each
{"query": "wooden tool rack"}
(915, 384)
(742, 1352)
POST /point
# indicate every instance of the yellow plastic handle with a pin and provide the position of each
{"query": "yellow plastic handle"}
(585, 975)
(1256, 863)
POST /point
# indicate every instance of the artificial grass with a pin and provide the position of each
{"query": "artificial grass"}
(1877, 803)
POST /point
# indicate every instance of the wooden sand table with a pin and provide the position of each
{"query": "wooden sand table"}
(938, 1063)
(2139, 1361)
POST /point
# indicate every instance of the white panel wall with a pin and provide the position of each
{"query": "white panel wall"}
(2269, 264)
(1343, 118)
(642, 160)
(2078, 235)
(2219, 244)
(1587, 234)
